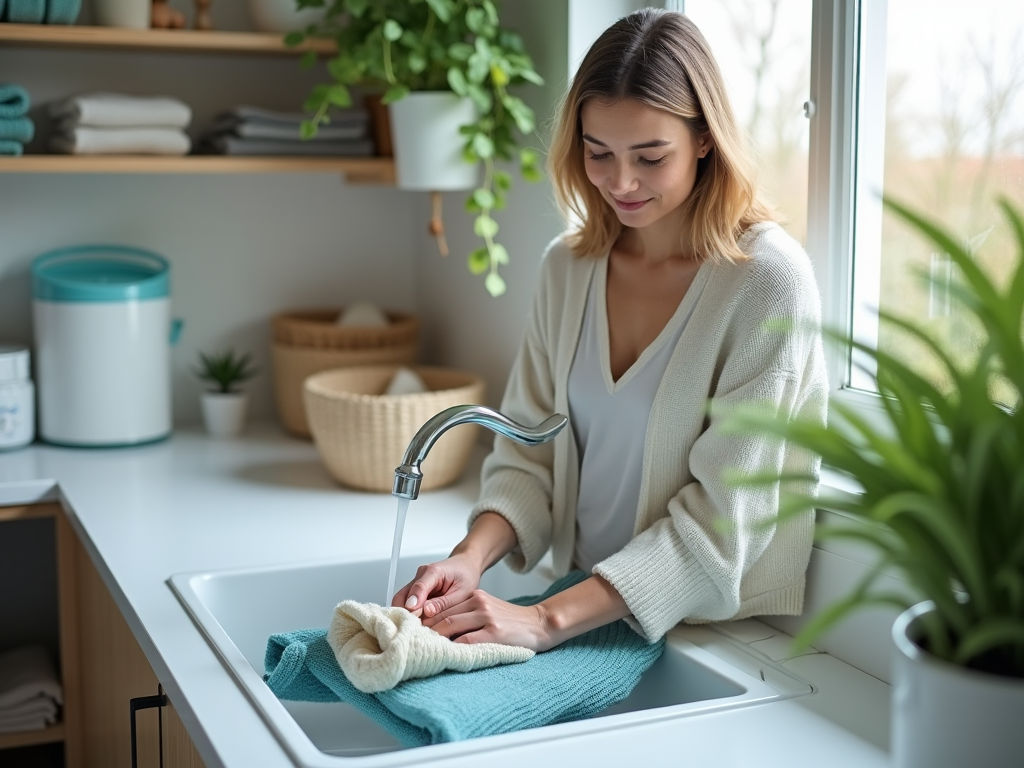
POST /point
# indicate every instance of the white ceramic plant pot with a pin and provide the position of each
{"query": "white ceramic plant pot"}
(224, 414)
(427, 143)
(134, 14)
(946, 716)
(282, 15)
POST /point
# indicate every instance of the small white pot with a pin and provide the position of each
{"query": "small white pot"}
(134, 14)
(224, 414)
(427, 143)
(946, 716)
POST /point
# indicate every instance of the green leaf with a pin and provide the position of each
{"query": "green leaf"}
(531, 174)
(442, 8)
(483, 146)
(484, 198)
(293, 39)
(460, 51)
(503, 180)
(499, 76)
(417, 62)
(521, 113)
(457, 81)
(481, 98)
(531, 76)
(357, 7)
(528, 157)
(494, 284)
(339, 95)
(392, 30)
(307, 129)
(485, 226)
(479, 261)
(476, 20)
(499, 254)
(394, 93)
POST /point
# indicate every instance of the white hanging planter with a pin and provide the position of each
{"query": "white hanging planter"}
(133, 14)
(946, 716)
(282, 15)
(224, 413)
(427, 143)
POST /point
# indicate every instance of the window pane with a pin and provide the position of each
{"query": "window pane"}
(763, 48)
(953, 128)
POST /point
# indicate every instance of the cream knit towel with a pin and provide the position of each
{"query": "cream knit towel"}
(378, 647)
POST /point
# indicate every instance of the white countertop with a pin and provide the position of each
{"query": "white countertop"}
(197, 504)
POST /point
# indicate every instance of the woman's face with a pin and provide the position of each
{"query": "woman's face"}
(643, 160)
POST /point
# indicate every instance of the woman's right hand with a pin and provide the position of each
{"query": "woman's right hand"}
(446, 583)
(440, 586)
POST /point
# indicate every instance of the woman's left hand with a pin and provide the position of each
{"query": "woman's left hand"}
(483, 618)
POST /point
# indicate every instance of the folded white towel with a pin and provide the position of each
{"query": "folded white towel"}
(114, 109)
(26, 673)
(121, 141)
(378, 647)
(31, 715)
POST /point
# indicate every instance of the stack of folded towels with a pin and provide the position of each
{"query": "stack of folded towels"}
(115, 124)
(248, 130)
(40, 11)
(30, 692)
(16, 128)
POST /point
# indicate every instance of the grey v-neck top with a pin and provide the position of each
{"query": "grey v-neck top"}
(609, 420)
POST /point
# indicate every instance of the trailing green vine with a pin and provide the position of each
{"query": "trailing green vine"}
(401, 46)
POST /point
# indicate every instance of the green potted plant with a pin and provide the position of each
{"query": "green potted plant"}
(942, 502)
(436, 57)
(224, 406)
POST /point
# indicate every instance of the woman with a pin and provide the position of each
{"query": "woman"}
(658, 302)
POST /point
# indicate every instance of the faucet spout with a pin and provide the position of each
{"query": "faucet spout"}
(409, 476)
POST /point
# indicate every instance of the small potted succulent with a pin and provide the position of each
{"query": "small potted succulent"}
(942, 503)
(224, 406)
(445, 68)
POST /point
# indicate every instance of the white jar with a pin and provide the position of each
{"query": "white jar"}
(17, 398)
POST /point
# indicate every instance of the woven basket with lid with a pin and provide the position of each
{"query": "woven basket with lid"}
(362, 434)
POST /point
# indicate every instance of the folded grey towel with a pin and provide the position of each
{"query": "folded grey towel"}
(233, 145)
(121, 141)
(26, 673)
(248, 113)
(121, 111)
(268, 129)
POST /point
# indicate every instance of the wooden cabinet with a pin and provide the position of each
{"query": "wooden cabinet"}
(356, 170)
(102, 669)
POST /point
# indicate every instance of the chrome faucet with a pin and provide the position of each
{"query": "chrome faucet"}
(408, 476)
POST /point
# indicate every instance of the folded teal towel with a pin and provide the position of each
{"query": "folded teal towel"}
(11, 147)
(26, 11)
(2, 4)
(14, 101)
(62, 11)
(17, 129)
(575, 680)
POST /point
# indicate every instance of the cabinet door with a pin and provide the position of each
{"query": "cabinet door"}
(112, 671)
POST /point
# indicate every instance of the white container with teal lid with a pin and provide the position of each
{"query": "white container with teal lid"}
(103, 332)
(17, 398)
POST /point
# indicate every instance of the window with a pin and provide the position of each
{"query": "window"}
(940, 127)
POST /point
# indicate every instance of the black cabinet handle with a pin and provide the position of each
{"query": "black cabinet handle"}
(148, 702)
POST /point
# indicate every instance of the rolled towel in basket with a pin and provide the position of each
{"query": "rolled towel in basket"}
(14, 100)
(577, 679)
(120, 111)
(85, 140)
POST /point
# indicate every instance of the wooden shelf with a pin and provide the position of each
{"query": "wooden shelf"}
(28, 512)
(357, 170)
(62, 36)
(30, 738)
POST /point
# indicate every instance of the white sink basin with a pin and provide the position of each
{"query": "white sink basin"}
(238, 610)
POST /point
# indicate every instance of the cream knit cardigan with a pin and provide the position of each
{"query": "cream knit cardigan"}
(702, 550)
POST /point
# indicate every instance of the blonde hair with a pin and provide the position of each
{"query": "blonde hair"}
(659, 58)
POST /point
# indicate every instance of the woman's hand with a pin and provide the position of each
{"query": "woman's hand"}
(440, 585)
(483, 618)
(446, 583)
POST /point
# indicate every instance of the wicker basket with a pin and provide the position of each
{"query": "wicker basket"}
(308, 341)
(362, 434)
(315, 328)
(293, 365)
